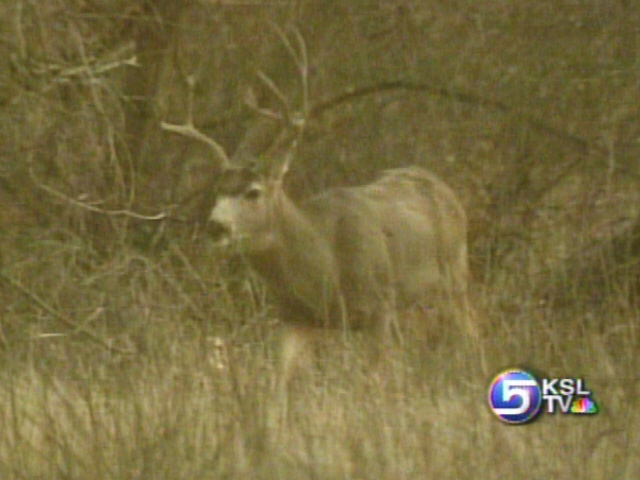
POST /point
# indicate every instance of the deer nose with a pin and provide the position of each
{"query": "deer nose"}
(219, 226)
(218, 230)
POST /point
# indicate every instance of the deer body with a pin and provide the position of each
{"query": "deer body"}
(351, 257)
(348, 258)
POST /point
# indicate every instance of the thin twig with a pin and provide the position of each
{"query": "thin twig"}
(92, 208)
(303, 69)
(59, 316)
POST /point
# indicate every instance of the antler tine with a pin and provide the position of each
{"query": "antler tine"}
(301, 60)
(189, 130)
(287, 159)
(249, 100)
(192, 132)
(302, 63)
(290, 122)
(270, 84)
(296, 120)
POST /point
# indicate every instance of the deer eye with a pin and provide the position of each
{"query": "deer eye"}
(253, 193)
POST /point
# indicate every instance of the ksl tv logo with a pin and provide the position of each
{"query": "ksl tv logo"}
(516, 396)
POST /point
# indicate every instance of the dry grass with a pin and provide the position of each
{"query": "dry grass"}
(126, 352)
(190, 400)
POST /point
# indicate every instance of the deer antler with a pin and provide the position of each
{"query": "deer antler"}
(189, 130)
(293, 120)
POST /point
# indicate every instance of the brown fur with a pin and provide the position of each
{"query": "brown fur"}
(351, 258)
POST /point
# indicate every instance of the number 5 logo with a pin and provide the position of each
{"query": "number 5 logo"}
(515, 396)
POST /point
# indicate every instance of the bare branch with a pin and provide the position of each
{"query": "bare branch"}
(93, 208)
(77, 328)
(285, 40)
(191, 85)
(303, 69)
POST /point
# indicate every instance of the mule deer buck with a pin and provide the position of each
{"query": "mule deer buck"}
(348, 258)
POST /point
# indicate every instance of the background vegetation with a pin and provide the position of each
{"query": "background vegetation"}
(131, 347)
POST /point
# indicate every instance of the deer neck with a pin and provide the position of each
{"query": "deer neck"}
(298, 263)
